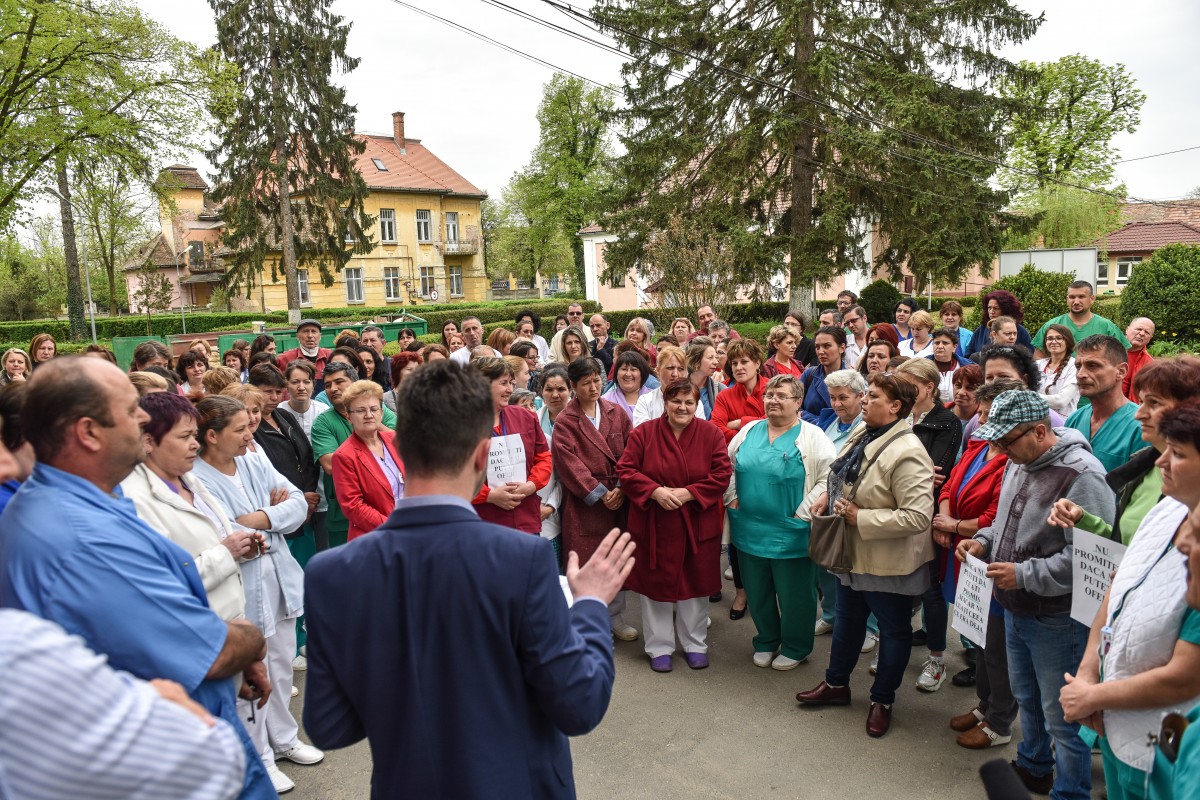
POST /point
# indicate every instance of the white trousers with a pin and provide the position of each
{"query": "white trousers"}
(617, 607)
(690, 623)
(274, 728)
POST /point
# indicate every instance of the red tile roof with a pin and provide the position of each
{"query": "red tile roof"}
(593, 228)
(1145, 237)
(1187, 211)
(155, 252)
(417, 169)
(186, 177)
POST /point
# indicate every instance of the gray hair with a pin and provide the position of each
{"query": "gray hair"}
(790, 380)
(718, 325)
(372, 329)
(850, 379)
(837, 315)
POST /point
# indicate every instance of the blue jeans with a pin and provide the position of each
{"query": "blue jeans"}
(827, 582)
(1040, 650)
(894, 612)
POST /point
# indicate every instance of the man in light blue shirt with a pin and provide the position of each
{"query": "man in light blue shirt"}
(73, 551)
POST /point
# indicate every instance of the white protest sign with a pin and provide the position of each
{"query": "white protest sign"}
(506, 461)
(973, 600)
(1094, 561)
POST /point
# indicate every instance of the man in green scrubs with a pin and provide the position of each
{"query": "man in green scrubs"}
(329, 430)
(1080, 319)
(1107, 422)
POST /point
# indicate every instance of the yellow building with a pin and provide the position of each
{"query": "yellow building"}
(428, 237)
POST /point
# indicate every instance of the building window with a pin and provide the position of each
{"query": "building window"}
(379, 165)
(424, 225)
(387, 225)
(1124, 267)
(349, 214)
(391, 283)
(302, 282)
(618, 281)
(451, 226)
(1101, 271)
(195, 253)
(552, 287)
(456, 289)
(428, 281)
(354, 284)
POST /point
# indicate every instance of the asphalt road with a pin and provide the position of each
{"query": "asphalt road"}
(735, 731)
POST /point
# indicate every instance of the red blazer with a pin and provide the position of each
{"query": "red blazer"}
(527, 516)
(981, 496)
(362, 488)
(736, 403)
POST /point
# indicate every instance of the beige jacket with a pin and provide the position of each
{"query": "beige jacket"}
(192, 530)
(895, 500)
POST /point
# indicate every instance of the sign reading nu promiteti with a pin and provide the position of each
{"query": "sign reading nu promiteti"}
(1094, 561)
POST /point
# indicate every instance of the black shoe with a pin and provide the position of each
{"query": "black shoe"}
(971, 656)
(964, 678)
(920, 638)
(736, 613)
(1038, 784)
(716, 598)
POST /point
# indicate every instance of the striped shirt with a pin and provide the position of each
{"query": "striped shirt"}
(74, 727)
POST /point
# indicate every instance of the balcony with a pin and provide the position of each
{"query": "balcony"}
(210, 266)
(466, 246)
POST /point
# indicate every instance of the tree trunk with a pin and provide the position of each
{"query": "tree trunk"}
(801, 290)
(282, 150)
(580, 274)
(75, 314)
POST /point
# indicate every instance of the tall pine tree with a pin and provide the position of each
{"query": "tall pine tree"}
(287, 173)
(793, 127)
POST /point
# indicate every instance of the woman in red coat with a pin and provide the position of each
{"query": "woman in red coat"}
(589, 438)
(675, 470)
(968, 502)
(368, 476)
(519, 458)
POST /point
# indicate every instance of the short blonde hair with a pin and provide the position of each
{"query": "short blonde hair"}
(668, 353)
(217, 379)
(921, 319)
(779, 333)
(921, 369)
(149, 382)
(360, 389)
(245, 393)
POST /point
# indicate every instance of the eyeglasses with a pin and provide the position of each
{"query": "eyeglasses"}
(1005, 444)
(781, 396)
(574, 313)
(372, 411)
(1054, 339)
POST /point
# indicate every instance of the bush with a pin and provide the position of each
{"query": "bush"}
(1043, 295)
(879, 300)
(1166, 288)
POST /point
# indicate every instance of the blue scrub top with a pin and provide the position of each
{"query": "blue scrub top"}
(1118, 438)
(75, 555)
(770, 487)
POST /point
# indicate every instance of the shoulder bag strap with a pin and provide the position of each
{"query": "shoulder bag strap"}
(854, 489)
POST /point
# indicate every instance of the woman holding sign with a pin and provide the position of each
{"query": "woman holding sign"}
(368, 477)
(518, 459)
(1143, 655)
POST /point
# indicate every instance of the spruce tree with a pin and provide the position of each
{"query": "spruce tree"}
(793, 127)
(287, 173)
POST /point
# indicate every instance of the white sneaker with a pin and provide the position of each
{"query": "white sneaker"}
(299, 664)
(302, 754)
(624, 631)
(783, 663)
(295, 691)
(304, 650)
(869, 643)
(823, 628)
(763, 659)
(729, 573)
(933, 675)
(874, 664)
(281, 782)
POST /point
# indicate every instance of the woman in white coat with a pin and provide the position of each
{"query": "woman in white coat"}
(259, 498)
(173, 502)
(671, 366)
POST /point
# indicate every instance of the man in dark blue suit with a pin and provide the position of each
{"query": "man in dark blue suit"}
(445, 640)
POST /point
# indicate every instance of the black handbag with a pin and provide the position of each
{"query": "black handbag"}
(828, 538)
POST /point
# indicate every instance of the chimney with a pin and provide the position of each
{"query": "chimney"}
(398, 129)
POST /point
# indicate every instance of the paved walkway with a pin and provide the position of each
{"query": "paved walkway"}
(735, 731)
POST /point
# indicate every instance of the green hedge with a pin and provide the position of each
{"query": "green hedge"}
(1166, 288)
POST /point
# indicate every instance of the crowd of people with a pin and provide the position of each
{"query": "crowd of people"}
(211, 523)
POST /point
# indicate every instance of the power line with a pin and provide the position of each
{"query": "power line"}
(1158, 155)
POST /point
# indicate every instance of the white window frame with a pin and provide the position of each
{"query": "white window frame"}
(393, 287)
(349, 215)
(354, 280)
(451, 218)
(618, 281)
(387, 225)
(1125, 268)
(379, 165)
(428, 280)
(1101, 271)
(302, 283)
(456, 282)
(424, 226)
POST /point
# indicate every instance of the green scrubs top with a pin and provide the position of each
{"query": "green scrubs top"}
(1096, 325)
(1144, 497)
(770, 487)
(1118, 438)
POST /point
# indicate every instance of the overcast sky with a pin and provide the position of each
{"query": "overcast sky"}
(474, 105)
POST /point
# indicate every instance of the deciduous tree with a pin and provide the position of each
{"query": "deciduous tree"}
(286, 155)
